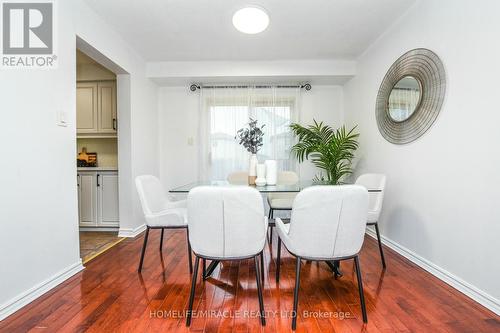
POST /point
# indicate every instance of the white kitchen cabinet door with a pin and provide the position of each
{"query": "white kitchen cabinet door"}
(108, 199)
(107, 107)
(86, 107)
(87, 199)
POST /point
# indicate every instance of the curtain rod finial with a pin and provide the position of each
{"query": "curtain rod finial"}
(307, 86)
(194, 87)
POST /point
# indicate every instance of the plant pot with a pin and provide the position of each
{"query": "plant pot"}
(252, 169)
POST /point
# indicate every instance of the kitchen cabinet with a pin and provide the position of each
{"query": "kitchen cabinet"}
(96, 108)
(86, 107)
(87, 199)
(108, 199)
(98, 198)
(106, 97)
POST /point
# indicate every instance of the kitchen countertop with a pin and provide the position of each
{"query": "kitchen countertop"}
(102, 168)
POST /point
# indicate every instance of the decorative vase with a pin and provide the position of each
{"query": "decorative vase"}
(271, 172)
(252, 170)
(261, 175)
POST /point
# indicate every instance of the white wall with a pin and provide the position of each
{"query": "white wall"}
(319, 71)
(38, 197)
(443, 189)
(179, 120)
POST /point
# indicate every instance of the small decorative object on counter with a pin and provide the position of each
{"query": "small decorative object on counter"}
(85, 159)
(271, 172)
(261, 175)
(251, 138)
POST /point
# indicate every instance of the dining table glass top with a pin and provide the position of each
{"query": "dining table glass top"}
(296, 187)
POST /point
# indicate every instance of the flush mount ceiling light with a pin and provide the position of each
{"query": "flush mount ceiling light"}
(251, 20)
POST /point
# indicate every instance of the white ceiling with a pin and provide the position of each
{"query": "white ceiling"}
(190, 30)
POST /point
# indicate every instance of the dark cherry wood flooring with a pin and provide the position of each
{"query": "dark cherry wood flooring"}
(110, 296)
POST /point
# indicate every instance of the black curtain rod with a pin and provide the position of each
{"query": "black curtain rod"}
(195, 87)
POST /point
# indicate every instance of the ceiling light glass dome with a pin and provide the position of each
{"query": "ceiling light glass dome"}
(251, 20)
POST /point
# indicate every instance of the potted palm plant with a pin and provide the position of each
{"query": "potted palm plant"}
(328, 149)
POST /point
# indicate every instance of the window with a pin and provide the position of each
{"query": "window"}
(226, 110)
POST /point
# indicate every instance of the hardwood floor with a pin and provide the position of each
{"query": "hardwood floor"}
(110, 296)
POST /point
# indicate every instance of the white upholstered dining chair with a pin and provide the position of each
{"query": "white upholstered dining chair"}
(327, 224)
(281, 201)
(160, 212)
(226, 223)
(375, 182)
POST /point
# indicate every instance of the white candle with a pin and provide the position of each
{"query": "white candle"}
(261, 175)
(271, 172)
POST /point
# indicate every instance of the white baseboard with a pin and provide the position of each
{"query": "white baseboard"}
(38, 290)
(129, 232)
(464, 287)
(99, 229)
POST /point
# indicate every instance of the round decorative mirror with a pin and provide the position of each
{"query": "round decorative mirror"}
(410, 96)
(404, 99)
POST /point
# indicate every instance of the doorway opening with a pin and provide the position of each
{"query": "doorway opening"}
(97, 136)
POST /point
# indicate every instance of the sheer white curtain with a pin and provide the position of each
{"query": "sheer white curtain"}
(402, 102)
(223, 111)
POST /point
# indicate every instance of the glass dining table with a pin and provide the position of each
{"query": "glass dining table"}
(296, 187)
(282, 188)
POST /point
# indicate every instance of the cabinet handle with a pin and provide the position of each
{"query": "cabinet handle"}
(98, 181)
(78, 180)
(114, 124)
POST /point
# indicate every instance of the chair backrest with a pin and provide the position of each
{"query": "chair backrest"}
(151, 194)
(226, 222)
(238, 177)
(329, 221)
(287, 178)
(374, 181)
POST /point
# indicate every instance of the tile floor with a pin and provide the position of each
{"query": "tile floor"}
(93, 243)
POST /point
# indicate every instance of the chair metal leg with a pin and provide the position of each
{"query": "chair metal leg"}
(271, 215)
(360, 288)
(296, 294)
(190, 255)
(161, 238)
(262, 266)
(336, 266)
(193, 287)
(278, 260)
(204, 268)
(259, 290)
(380, 245)
(143, 249)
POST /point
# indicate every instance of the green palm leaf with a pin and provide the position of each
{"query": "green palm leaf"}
(328, 149)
